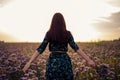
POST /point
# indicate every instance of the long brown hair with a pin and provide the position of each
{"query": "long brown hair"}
(57, 31)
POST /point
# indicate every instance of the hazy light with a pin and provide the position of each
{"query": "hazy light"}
(28, 20)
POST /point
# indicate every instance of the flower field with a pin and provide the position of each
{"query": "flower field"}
(106, 54)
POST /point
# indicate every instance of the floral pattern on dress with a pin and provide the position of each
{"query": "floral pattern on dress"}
(58, 66)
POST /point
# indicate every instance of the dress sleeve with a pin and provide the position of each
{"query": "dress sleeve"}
(72, 42)
(42, 46)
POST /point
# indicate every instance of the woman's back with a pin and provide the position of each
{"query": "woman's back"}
(58, 46)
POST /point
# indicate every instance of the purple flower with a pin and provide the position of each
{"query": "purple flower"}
(103, 71)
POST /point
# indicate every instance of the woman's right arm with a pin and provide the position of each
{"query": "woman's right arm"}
(90, 62)
(79, 51)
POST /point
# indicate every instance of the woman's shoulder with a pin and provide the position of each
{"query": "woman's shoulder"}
(69, 32)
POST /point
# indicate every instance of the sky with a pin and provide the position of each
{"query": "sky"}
(88, 20)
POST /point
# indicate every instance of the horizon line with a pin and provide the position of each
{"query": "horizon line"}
(2, 41)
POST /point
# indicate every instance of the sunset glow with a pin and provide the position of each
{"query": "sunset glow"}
(88, 20)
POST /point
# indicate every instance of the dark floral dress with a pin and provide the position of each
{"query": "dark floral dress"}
(59, 65)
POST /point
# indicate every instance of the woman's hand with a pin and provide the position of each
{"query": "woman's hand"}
(92, 63)
(34, 56)
(26, 67)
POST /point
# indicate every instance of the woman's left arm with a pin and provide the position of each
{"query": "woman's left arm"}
(38, 51)
(34, 56)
